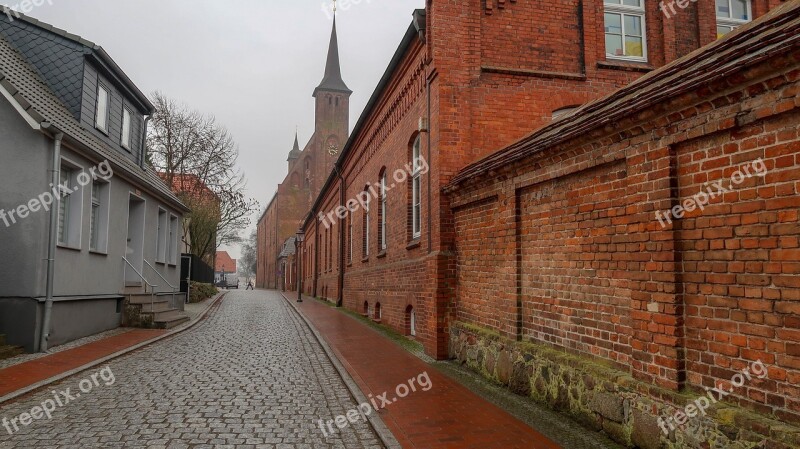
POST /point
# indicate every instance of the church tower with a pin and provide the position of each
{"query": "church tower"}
(332, 107)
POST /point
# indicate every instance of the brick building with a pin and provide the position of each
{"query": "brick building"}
(497, 240)
(452, 95)
(307, 171)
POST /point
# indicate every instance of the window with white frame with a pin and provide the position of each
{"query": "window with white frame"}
(69, 207)
(126, 129)
(382, 232)
(162, 242)
(732, 14)
(416, 189)
(172, 241)
(101, 111)
(366, 224)
(98, 220)
(625, 30)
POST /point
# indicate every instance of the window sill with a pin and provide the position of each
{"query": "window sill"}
(625, 65)
(98, 252)
(161, 262)
(376, 320)
(365, 260)
(71, 248)
(414, 244)
(104, 131)
(381, 255)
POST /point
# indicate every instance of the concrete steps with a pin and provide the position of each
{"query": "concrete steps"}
(151, 312)
(6, 352)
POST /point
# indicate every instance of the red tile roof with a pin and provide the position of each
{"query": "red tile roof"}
(225, 264)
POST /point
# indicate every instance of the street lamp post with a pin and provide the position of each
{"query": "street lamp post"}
(298, 262)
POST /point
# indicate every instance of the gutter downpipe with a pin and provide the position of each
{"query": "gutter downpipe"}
(52, 242)
(340, 293)
(143, 156)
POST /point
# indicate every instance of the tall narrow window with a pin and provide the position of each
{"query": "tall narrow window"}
(101, 112)
(162, 241)
(624, 29)
(172, 241)
(64, 205)
(350, 238)
(416, 189)
(365, 232)
(732, 14)
(126, 129)
(98, 221)
(382, 231)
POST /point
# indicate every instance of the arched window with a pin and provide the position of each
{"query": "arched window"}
(411, 321)
(382, 211)
(416, 188)
(366, 308)
(378, 313)
(365, 223)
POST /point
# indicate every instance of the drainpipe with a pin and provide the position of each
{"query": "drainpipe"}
(52, 241)
(340, 293)
(143, 154)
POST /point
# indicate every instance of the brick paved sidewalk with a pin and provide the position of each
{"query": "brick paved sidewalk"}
(447, 416)
(28, 373)
(25, 374)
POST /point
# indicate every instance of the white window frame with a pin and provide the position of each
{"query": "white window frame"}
(125, 139)
(730, 22)
(172, 240)
(366, 224)
(416, 190)
(162, 239)
(70, 206)
(350, 238)
(99, 216)
(102, 125)
(624, 10)
(383, 212)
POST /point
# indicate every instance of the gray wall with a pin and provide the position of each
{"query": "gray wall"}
(24, 175)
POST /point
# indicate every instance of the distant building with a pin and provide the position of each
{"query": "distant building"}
(224, 265)
(66, 107)
(307, 169)
(191, 189)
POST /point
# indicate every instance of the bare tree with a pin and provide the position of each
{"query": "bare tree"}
(197, 157)
(249, 259)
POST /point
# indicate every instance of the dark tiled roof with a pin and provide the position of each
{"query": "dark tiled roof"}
(58, 60)
(332, 81)
(295, 153)
(288, 248)
(35, 97)
(775, 33)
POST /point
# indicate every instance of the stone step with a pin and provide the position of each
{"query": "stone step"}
(146, 299)
(170, 319)
(156, 306)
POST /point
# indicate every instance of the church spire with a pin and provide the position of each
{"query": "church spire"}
(333, 73)
(295, 153)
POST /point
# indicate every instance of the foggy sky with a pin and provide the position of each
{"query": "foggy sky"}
(253, 64)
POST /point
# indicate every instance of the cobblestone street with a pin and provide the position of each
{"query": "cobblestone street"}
(250, 376)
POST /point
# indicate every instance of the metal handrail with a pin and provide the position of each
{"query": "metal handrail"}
(141, 276)
(174, 289)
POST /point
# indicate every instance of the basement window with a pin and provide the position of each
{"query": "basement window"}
(732, 14)
(624, 29)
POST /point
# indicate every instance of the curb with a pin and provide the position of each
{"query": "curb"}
(31, 388)
(383, 432)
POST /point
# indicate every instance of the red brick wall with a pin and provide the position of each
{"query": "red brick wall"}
(574, 229)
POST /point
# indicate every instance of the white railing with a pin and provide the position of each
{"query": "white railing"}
(174, 289)
(146, 284)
